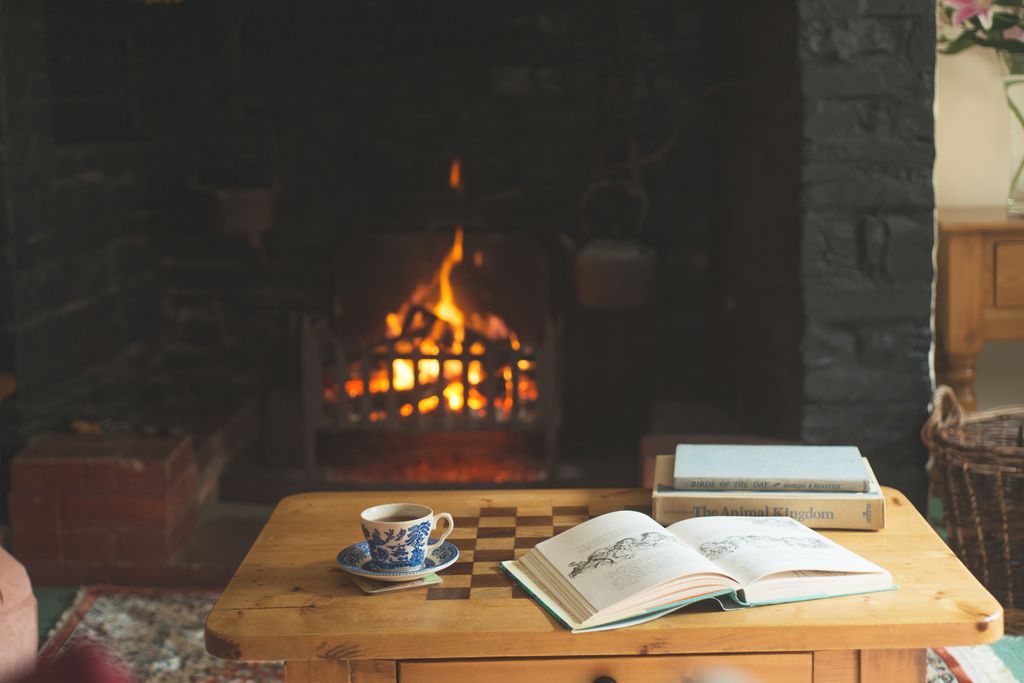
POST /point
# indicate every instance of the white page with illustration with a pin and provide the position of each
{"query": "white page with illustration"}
(750, 548)
(620, 554)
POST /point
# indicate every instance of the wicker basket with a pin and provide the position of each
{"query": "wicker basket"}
(977, 469)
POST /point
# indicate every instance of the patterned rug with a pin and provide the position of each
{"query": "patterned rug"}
(155, 634)
(158, 636)
(1001, 662)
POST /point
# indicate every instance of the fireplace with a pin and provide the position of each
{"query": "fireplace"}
(439, 360)
(233, 212)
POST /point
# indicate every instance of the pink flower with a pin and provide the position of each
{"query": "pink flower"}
(1014, 33)
(967, 9)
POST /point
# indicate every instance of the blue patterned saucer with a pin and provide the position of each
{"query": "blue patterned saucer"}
(356, 559)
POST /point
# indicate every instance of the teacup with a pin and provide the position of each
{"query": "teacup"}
(399, 534)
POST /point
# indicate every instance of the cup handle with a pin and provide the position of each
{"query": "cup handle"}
(433, 525)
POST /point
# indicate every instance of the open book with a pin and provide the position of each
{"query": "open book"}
(623, 567)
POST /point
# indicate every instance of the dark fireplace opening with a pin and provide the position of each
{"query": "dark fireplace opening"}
(690, 228)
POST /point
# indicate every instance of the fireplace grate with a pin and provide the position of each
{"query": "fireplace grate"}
(392, 384)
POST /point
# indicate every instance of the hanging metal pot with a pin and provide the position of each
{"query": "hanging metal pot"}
(615, 274)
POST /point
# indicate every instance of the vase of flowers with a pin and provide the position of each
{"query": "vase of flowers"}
(997, 25)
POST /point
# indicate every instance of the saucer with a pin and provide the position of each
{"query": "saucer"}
(355, 559)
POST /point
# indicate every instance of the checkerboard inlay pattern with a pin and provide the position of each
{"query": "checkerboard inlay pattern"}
(494, 535)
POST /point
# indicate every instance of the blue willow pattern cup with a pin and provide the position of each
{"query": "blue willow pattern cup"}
(399, 534)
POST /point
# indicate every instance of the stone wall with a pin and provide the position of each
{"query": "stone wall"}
(867, 75)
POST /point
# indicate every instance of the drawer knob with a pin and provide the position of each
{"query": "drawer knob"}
(604, 679)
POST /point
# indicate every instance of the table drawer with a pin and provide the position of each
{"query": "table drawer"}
(1009, 275)
(767, 668)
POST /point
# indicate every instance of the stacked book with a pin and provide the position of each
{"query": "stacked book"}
(825, 487)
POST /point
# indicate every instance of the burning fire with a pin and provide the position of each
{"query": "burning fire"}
(455, 174)
(438, 353)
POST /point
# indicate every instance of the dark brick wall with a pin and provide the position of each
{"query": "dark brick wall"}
(24, 164)
(24, 155)
(95, 156)
(758, 313)
(867, 78)
(11, 146)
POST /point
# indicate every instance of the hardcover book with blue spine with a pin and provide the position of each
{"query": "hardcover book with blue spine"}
(770, 468)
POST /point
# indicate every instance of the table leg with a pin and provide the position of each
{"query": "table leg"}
(892, 666)
(959, 373)
(959, 310)
(330, 671)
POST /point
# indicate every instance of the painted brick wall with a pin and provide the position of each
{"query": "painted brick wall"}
(867, 78)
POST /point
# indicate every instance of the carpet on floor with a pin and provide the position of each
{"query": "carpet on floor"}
(1000, 662)
(157, 634)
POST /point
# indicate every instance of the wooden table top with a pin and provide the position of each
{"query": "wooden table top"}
(289, 599)
(966, 219)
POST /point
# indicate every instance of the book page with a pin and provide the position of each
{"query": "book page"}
(752, 547)
(619, 554)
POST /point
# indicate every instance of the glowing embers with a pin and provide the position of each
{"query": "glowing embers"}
(403, 458)
(495, 385)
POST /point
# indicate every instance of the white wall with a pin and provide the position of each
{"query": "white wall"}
(971, 130)
(972, 168)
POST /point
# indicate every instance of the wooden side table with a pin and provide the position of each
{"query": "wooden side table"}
(289, 600)
(980, 290)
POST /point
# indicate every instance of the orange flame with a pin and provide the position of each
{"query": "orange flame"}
(475, 372)
(454, 384)
(453, 394)
(455, 174)
(446, 308)
(428, 404)
(430, 370)
(404, 378)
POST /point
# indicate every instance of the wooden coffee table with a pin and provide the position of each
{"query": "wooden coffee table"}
(290, 601)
